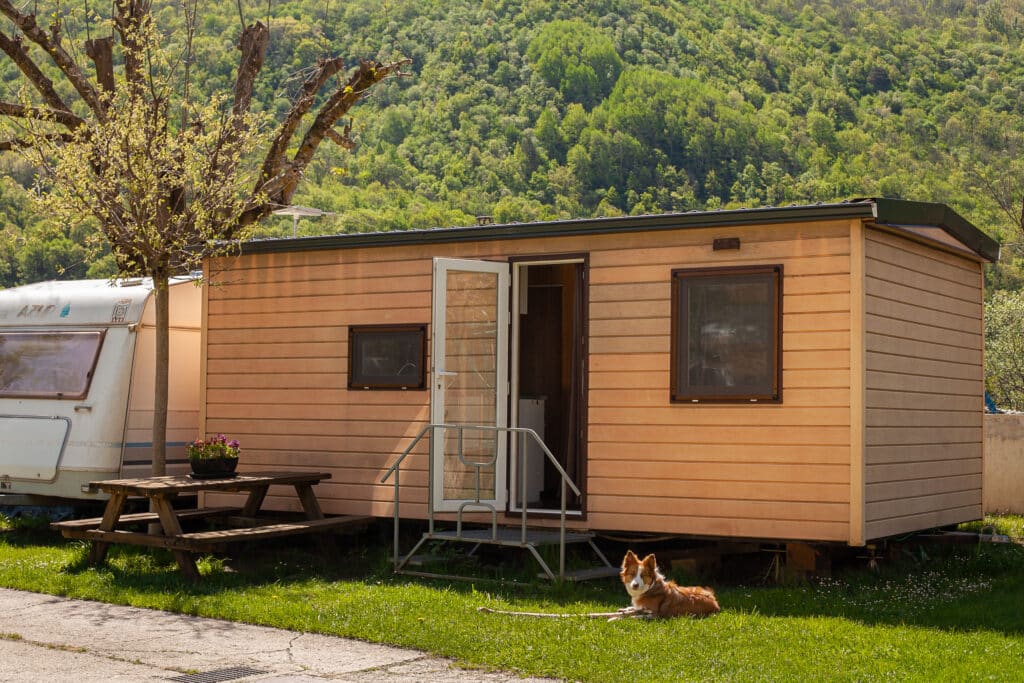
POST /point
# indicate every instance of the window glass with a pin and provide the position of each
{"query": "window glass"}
(726, 334)
(387, 357)
(48, 364)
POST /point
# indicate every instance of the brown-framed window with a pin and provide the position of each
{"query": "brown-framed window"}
(387, 357)
(727, 334)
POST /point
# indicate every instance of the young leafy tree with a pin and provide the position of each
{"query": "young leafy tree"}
(168, 174)
(1004, 349)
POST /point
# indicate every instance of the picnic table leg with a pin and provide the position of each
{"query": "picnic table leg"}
(111, 513)
(172, 527)
(311, 506)
(255, 501)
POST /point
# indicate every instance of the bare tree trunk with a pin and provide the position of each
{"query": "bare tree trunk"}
(101, 52)
(162, 293)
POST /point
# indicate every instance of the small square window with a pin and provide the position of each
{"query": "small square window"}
(387, 357)
(727, 334)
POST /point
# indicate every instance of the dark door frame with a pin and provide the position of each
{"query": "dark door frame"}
(577, 419)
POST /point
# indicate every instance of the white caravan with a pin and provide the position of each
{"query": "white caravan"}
(76, 384)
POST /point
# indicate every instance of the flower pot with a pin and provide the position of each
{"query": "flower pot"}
(213, 468)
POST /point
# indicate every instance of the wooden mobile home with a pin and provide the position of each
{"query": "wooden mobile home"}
(806, 373)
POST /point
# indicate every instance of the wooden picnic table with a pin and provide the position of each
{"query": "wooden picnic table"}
(243, 524)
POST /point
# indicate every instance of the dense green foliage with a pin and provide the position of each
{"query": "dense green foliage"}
(554, 109)
(1004, 349)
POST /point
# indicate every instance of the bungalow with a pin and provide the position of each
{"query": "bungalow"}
(803, 373)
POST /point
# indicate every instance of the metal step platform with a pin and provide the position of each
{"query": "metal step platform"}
(519, 536)
(514, 537)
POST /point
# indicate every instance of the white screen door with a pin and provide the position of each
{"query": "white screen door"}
(469, 381)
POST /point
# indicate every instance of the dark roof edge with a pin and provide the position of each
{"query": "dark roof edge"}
(900, 213)
(885, 212)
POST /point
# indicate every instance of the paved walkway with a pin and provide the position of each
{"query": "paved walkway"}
(46, 638)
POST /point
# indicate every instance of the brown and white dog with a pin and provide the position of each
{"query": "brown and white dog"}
(663, 599)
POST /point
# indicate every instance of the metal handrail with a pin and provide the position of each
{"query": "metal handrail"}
(430, 488)
(522, 432)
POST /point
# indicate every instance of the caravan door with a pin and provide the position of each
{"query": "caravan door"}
(469, 382)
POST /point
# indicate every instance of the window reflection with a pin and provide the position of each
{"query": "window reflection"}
(48, 364)
(727, 333)
(387, 357)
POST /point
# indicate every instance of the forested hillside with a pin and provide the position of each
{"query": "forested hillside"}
(556, 109)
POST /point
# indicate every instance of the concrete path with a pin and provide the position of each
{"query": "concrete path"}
(46, 638)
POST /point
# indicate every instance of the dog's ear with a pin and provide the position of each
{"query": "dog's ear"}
(630, 559)
(650, 562)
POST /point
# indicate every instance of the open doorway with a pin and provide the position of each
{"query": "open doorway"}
(548, 379)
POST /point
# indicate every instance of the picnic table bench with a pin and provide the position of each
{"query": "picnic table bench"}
(242, 522)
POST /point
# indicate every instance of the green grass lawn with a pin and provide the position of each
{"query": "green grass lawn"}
(1009, 525)
(929, 613)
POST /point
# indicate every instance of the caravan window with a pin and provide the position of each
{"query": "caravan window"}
(48, 364)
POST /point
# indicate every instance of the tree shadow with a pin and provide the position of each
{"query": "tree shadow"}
(969, 588)
(946, 588)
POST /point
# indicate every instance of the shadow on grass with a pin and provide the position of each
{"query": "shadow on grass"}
(360, 559)
(968, 588)
(951, 588)
(145, 569)
(965, 588)
(32, 537)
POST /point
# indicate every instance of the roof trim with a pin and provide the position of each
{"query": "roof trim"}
(892, 212)
(899, 213)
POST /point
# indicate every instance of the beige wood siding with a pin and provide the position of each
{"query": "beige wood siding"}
(277, 371)
(183, 391)
(277, 361)
(924, 386)
(761, 471)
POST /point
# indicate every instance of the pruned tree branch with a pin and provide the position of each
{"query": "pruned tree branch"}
(253, 45)
(23, 143)
(367, 75)
(101, 52)
(27, 24)
(342, 139)
(65, 118)
(274, 160)
(280, 179)
(43, 85)
(129, 16)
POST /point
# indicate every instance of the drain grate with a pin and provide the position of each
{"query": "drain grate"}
(218, 675)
